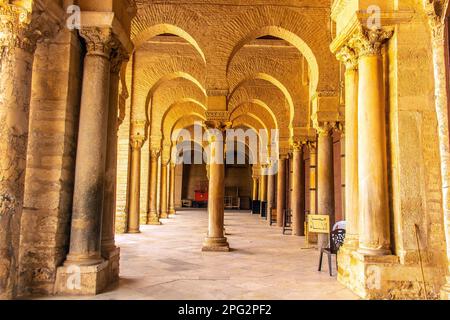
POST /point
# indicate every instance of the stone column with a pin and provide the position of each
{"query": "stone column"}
(136, 143)
(374, 233)
(255, 189)
(298, 191)
(163, 195)
(216, 240)
(263, 191)
(270, 193)
(16, 65)
(325, 176)
(109, 197)
(349, 58)
(281, 190)
(85, 236)
(436, 19)
(153, 216)
(172, 189)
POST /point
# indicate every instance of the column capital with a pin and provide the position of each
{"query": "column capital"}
(435, 10)
(217, 120)
(325, 128)
(297, 144)
(118, 57)
(19, 28)
(155, 153)
(348, 57)
(368, 42)
(99, 41)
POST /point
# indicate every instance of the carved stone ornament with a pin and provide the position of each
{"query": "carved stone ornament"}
(348, 57)
(99, 41)
(368, 42)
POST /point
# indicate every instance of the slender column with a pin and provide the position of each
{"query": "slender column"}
(135, 185)
(270, 193)
(436, 18)
(172, 189)
(374, 233)
(216, 240)
(153, 216)
(85, 236)
(16, 64)
(163, 195)
(298, 191)
(109, 197)
(348, 57)
(325, 176)
(281, 190)
(263, 190)
(255, 188)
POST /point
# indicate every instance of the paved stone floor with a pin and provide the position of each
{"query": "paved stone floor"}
(165, 262)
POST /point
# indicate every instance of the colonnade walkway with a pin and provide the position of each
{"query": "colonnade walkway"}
(166, 262)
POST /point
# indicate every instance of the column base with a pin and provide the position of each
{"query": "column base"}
(153, 220)
(445, 291)
(134, 231)
(385, 277)
(172, 212)
(164, 215)
(73, 279)
(216, 245)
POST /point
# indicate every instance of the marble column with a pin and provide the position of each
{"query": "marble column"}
(153, 215)
(163, 195)
(135, 185)
(109, 197)
(437, 22)
(263, 190)
(255, 188)
(325, 177)
(281, 190)
(298, 191)
(85, 235)
(270, 194)
(349, 58)
(374, 225)
(172, 189)
(16, 65)
(216, 240)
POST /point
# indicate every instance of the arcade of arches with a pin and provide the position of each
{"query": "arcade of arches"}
(88, 116)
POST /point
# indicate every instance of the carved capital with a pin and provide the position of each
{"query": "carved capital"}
(118, 57)
(368, 42)
(348, 57)
(138, 133)
(155, 153)
(297, 145)
(99, 41)
(435, 10)
(217, 120)
(326, 128)
(21, 29)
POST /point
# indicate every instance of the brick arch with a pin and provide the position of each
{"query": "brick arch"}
(169, 95)
(166, 78)
(276, 83)
(179, 109)
(274, 102)
(156, 20)
(306, 30)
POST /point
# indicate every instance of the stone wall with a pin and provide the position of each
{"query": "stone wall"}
(47, 209)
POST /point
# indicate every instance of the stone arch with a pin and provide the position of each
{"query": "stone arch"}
(275, 82)
(145, 28)
(165, 79)
(307, 30)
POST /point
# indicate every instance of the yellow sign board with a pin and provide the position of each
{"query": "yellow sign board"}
(318, 223)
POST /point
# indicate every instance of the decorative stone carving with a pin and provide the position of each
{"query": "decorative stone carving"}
(325, 128)
(99, 41)
(348, 57)
(368, 42)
